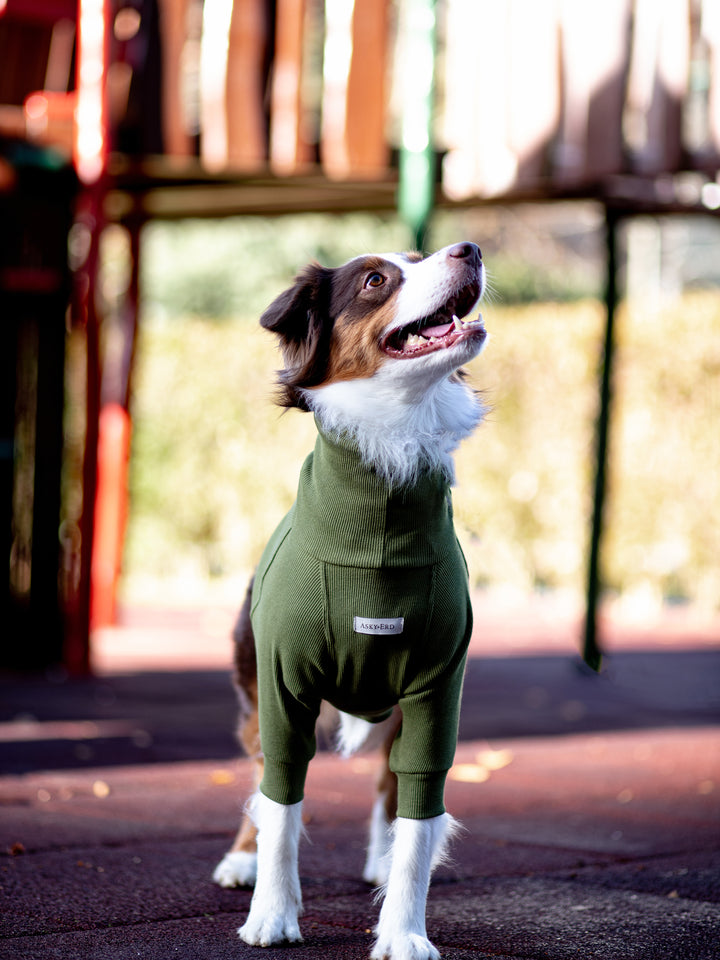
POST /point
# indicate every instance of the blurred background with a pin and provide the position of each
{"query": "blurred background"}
(166, 166)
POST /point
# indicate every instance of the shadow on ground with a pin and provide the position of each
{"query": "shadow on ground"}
(150, 717)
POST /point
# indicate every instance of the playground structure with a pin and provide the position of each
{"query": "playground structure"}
(124, 111)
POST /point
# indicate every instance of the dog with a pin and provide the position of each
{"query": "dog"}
(361, 597)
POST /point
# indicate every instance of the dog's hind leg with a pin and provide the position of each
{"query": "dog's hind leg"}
(276, 901)
(418, 845)
(377, 861)
(238, 867)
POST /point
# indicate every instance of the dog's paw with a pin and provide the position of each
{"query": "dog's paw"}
(404, 946)
(236, 869)
(264, 930)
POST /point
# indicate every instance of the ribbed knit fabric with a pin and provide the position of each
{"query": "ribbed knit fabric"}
(350, 547)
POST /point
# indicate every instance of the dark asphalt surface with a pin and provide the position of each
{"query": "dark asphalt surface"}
(591, 806)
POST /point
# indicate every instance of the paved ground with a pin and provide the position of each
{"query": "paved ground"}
(592, 803)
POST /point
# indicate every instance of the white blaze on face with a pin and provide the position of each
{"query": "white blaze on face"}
(433, 327)
(429, 284)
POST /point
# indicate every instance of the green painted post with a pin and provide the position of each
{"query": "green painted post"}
(592, 654)
(416, 191)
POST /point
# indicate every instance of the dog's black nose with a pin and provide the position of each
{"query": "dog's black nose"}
(465, 251)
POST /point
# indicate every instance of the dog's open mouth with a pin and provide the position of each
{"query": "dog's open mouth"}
(442, 329)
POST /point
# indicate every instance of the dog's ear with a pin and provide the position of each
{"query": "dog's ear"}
(300, 317)
(292, 313)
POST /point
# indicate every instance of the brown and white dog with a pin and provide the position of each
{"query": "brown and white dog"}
(374, 349)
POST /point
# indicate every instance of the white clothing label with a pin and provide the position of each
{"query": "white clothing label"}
(374, 625)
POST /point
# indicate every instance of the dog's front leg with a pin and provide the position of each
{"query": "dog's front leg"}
(418, 845)
(277, 901)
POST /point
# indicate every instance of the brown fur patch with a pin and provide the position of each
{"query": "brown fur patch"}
(361, 309)
(355, 346)
(244, 654)
(330, 322)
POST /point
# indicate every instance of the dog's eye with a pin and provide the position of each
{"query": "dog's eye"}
(375, 280)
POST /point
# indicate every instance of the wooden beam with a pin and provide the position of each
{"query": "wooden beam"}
(354, 142)
(245, 85)
(290, 150)
(368, 151)
(174, 37)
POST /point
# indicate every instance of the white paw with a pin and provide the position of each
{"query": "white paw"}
(404, 946)
(236, 869)
(263, 930)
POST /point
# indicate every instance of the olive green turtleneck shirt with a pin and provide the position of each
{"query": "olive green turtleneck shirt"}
(361, 599)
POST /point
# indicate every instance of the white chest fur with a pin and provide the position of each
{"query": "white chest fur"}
(398, 428)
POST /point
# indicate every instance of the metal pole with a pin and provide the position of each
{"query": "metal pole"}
(416, 192)
(592, 653)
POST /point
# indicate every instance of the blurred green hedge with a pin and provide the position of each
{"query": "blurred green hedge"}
(215, 463)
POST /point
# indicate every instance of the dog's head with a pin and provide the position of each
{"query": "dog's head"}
(407, 315)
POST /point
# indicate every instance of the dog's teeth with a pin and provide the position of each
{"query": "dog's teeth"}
(458, 323)
(472, 323)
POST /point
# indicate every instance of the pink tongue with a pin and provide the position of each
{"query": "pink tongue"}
(428, 332)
